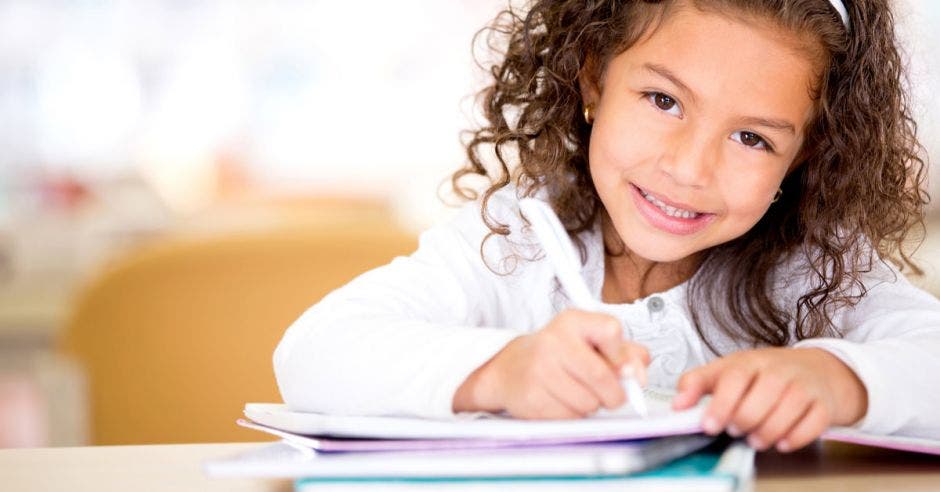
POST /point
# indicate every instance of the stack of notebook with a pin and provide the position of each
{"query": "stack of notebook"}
(605, 452)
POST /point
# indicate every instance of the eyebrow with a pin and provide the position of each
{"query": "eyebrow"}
(775, 124)
(668, 75)
(749, 120)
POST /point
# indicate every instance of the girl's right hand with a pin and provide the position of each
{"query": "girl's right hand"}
(568, 369)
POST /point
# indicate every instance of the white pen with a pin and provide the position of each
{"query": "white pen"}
(563, 257)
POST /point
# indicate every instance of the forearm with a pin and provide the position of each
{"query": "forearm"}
(902, 391)
(358, 366)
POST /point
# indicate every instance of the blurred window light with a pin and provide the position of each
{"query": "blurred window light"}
(89, 103)
(310, 94)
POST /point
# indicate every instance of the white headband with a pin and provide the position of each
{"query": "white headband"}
(840, 8)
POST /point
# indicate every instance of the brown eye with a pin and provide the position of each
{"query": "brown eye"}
(664, 102)
(750, 139)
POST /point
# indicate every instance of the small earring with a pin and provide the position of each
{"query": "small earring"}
(589, 114)
(777, 195)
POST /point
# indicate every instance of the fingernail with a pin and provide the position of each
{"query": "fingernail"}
(783, 446)
(626, 372)
(676, 402)
(755, 442)
(640, 371)
(710, 424)
(733, 431)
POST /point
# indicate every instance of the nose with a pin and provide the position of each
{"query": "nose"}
(690, 160)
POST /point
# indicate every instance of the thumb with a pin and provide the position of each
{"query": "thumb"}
(696, 383)
(636, 352)
(636, 358)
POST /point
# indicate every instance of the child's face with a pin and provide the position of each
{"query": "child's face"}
(720, 146)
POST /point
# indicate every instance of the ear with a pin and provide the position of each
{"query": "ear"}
(589, 82)
(801, 156)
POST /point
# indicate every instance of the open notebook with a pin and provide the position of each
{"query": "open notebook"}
(331, 447)
(616, 425)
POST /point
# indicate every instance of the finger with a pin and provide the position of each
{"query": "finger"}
(586, 366)
(555, 409)
(696, 383)
(572, 393)
(812, 425)
(637, 358)
(792, 405)
(633, 370)
(730, 387)
(538, 403)
(757, 403)
(605, 333)
(637, 352)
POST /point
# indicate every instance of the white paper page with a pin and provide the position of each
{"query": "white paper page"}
(623, 423)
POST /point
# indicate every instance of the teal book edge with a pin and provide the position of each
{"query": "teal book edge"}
(712, 462)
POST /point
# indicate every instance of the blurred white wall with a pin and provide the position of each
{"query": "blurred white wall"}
(919, 30)
(308, 95)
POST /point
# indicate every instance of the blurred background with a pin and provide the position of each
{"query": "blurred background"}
(180, 179)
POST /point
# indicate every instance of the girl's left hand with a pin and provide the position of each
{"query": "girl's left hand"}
(777, 396)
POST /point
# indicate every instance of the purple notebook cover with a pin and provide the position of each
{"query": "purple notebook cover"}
(335, 445)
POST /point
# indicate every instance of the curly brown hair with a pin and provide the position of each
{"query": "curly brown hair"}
(856, 196)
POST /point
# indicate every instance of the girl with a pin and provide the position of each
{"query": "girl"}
(740, 177)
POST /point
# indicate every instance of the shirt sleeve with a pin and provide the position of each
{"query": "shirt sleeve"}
(891, 340)
(399, 339)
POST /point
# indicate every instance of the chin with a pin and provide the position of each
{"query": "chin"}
(661, 252)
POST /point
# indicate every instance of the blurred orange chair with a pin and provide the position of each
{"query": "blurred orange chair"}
(177, 336)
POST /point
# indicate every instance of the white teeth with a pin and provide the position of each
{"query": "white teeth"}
(670, 211)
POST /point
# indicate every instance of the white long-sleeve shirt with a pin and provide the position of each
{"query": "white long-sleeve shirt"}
(400, 339)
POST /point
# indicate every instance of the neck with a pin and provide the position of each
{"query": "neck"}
(628, 276)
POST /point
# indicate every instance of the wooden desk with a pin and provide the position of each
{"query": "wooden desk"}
(828, 466)
(163, 467)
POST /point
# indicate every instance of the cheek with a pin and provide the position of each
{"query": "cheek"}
(620, 144)
(748, 195)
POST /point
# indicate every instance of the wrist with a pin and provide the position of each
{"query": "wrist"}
(849, 395)
(477, 392)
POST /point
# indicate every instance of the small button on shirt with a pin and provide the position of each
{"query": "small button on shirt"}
(655, 304)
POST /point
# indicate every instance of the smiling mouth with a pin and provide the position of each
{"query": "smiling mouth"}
(669, 210)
